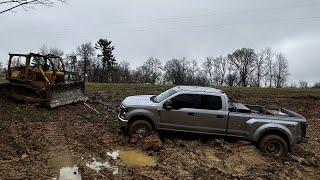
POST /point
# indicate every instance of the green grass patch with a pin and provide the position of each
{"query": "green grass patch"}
(129, 89)
(3, 80)
(271, 91)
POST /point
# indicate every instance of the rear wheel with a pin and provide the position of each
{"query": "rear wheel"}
(273, 145)
(141, 129)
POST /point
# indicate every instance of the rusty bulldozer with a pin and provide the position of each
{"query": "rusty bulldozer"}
(40, 79)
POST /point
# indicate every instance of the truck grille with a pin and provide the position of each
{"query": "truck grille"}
(303, 129)
(121, 110)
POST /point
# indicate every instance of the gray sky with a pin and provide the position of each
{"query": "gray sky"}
(173, 28)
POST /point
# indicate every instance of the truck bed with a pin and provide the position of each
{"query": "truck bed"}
(257, 109)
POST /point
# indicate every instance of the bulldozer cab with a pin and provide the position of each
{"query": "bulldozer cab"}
(40, 71)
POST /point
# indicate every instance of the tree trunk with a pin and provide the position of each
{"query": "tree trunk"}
(102, 73)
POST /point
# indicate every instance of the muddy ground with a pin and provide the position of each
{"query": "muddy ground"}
(37, 142)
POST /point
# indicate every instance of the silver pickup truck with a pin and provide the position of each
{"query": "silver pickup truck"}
(209, 111)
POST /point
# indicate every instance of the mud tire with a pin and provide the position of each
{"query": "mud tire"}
(141, 128)
(273, 145)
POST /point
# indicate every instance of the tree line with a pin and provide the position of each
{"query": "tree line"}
(244, 67)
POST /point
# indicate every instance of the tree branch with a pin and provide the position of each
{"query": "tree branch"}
(23, 3)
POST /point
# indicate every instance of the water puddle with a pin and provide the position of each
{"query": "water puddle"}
(69, 173)
(97, 166)
(62, 165)
(59, 160)
(136, 158)
(114, 154)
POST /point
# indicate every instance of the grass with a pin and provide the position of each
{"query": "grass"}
(3, 80)
(229, 90)
(133, 88)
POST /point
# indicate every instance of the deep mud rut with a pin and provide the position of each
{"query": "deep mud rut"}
(37, 142)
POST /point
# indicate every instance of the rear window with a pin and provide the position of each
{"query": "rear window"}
(210, 102)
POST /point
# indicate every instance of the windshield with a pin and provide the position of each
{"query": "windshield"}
(164, 95)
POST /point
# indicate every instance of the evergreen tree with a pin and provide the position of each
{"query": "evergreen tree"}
(107, 57)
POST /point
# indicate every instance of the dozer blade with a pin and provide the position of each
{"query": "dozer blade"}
(59, 95)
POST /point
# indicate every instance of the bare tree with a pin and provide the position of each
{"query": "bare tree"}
(56, 52)
(280, 70)
(72, 66)
(72, 62)
(220, 69)
(1, 70)
(303, 84)
(261, 61)
(151, 70)
(10, 5)
(293, 85)
(124, 68)
(176, 71)
(268, 55)
(208, 69)
(316, 85)
(86, 53)
(242, 60)
(193, 73)
(44, 50)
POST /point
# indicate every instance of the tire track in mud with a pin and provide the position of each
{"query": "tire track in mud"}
(59, 152)
(13, 170)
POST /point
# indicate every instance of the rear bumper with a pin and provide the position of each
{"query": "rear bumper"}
(123, 122)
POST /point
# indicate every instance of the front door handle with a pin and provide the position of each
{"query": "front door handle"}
(191, 114)
(221, 116)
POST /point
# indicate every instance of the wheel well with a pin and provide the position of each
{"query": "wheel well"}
(140, 117)
(275, 132)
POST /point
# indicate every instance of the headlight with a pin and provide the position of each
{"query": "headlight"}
(123, 111)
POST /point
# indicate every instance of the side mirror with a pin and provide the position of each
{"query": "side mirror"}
(167, 105)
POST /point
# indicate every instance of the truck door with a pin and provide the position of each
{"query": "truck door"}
(182, 115)
(211, 116)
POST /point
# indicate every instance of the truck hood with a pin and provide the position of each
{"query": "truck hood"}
(142, 100)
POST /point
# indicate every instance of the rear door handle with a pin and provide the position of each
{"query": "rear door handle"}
(221, 116)
(191, 114)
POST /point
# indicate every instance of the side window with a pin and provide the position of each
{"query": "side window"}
(184, 101)
(210, 102)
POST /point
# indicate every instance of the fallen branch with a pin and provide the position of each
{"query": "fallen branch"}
(91, 108)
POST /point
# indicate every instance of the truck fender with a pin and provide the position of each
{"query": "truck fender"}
(143, 113)
(272, 127)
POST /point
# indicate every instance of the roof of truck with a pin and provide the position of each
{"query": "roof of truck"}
(198, 89)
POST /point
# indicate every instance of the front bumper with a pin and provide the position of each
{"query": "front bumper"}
(305, 139)
(123, 122)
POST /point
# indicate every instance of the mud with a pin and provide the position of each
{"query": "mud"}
(37, 142)
(136, 159)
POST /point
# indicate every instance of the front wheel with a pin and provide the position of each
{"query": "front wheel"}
(273, 145)
(140, 128)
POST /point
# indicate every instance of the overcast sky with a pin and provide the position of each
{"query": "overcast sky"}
(165, 29)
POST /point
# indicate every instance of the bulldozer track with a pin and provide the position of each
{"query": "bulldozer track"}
(19, 172)
(56, 137)
(60, 153)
